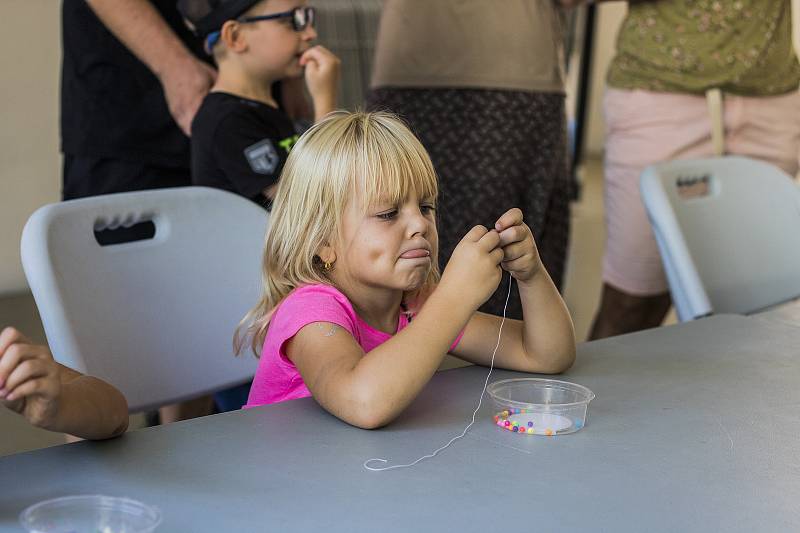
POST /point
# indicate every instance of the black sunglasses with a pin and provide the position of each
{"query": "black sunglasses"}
(302, 17)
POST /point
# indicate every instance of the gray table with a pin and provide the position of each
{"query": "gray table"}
(695, 427)
(787, 313)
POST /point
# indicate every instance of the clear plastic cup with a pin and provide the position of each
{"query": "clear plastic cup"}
(534, 406)
(90, 514)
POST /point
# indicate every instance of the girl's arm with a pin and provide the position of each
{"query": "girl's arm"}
(54, 397)
(544, 341)
(370, 390)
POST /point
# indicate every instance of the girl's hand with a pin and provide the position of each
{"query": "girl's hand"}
(473, 272)
(520, 255)
(29, 379)
(322, 78)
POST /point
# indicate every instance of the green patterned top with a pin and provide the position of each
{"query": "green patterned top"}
(688, 46)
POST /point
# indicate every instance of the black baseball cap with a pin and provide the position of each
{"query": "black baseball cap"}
(208, 16)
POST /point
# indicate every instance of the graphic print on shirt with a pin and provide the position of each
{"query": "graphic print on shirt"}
(263, 157)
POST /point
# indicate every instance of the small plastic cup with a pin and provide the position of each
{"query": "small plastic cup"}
(90, 513)
(534, 406)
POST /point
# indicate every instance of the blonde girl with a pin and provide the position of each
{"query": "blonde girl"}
(354, 312)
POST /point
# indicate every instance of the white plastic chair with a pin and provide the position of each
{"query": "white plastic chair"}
(728, 230)
(153, 317)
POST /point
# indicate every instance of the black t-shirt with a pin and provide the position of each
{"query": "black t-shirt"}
(239, 145)
(112, 105)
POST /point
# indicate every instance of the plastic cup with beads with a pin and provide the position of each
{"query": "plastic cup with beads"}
(544, 407)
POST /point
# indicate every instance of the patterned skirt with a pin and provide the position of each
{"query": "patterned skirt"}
(493, 150)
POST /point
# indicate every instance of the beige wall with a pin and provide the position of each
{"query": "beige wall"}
(30, 53)
(609, 17)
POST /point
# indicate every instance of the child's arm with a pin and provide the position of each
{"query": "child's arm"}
(370, 390)
(544, 341)
(322, 78)
(294, 101)
(54, 397)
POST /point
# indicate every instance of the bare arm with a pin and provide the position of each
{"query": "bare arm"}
(294, 101)
(89, 407)
(138, 25)
(54, 397)
(371, 390)
(544, 341)
(322, 79)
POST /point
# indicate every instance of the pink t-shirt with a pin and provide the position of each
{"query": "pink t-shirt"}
(277, 379)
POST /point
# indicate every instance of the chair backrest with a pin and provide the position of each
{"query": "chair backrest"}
(154, 317)
(728, 230)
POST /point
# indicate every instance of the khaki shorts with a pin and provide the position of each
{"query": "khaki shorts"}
(643, 128)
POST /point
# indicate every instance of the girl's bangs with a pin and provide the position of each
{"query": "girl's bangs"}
(392, 167)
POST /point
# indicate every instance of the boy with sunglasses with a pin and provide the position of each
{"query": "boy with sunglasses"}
(240, 137)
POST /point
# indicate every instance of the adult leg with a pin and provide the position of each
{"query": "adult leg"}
(202, 406)
(643, 128)
(766, 128)
(621, 313)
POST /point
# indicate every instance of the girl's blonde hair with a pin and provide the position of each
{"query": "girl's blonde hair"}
(365, 157)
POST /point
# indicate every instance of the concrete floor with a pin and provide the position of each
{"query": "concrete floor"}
(581, 292)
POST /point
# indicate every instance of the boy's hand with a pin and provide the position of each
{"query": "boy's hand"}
(473, 272)
(520, 255)
(29, 379)
(322, 78)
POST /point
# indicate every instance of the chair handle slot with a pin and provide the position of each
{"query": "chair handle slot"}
(692, 186)
(124, 229)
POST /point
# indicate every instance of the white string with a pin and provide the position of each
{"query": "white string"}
(475, 412)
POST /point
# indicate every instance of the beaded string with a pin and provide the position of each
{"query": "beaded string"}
(474, 413)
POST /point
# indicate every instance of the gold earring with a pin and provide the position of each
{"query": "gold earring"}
(327, 265)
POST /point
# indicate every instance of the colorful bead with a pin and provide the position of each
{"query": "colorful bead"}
(530, 431)
(548, 432)
(530, 424)
(506, 423)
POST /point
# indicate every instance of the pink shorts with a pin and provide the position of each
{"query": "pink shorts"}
(643, 128)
